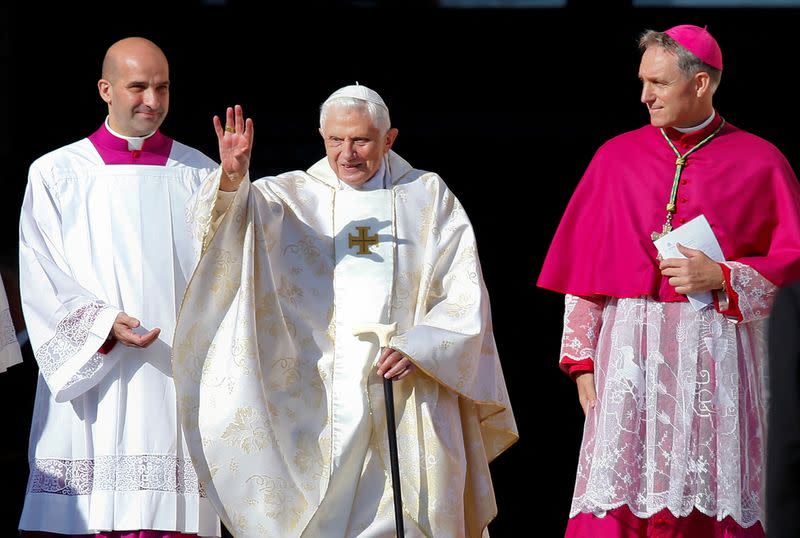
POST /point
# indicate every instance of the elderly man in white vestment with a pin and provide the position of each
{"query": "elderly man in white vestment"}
(105, 255)
(283, 407)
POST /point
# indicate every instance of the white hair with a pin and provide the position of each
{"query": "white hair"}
(377, 113)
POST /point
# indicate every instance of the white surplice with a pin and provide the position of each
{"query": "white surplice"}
(10, 353)
(106, 447)
(681, 408)
(283, 409)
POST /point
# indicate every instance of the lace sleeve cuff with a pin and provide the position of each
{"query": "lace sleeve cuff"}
(750, 294)
(583, 317)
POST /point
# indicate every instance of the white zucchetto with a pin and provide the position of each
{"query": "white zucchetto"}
(358, 91)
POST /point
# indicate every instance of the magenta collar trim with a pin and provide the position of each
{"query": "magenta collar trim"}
(114, 150)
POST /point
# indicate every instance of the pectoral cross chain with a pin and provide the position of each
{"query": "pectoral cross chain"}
(680, 163)
(667, 228)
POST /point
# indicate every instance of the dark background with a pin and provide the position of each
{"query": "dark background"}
(508, 106)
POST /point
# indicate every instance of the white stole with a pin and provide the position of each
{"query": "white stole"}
(363, 278)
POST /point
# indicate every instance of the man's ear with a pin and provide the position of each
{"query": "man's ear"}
(105, 89)
(390, 136)
(702, 83)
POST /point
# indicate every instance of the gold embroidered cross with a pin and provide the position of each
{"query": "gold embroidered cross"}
(362, 240)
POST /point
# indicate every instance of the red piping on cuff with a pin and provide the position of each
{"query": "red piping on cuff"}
(108, 345)
(571, 367)
(733, 297)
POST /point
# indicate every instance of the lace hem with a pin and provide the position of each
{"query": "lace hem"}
(600, 510)
(115, 473)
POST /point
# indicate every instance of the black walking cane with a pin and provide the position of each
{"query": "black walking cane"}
(384, 333)
(388, 394)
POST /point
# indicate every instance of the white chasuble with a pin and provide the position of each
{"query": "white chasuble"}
(107, 448)
(284, 413)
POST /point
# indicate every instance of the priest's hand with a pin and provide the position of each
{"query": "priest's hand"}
(694, 274)
(394, 365)
(587, 395)
(122, 330)
(235, 146)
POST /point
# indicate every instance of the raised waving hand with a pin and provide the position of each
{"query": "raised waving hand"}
(235, 146)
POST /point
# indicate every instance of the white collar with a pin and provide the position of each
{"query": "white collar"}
(686, 130)
(134, 142)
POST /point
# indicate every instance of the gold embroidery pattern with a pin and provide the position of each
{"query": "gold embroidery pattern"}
(406, 285)
(289, 373)
(239, 524)
(290, 291)
(248, 431)
(310, 253)
(224, 263)
(461, 307)
(280, 501)
(467, 261)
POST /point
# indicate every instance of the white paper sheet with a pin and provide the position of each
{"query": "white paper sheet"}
(696, 234)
